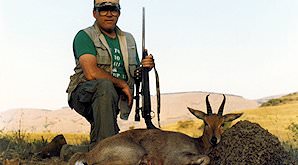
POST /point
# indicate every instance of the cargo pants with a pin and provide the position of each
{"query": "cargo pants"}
(97, 101)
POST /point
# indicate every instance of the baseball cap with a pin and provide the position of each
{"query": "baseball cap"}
(106, 3)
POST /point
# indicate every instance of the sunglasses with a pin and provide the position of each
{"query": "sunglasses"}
(104, 10)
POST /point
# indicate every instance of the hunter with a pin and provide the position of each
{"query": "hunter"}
(106, 58)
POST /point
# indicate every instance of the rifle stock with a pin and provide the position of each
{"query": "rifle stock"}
(137, 97)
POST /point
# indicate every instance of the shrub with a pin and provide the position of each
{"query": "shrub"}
(272, 102)
(292, 146)
(294, 128)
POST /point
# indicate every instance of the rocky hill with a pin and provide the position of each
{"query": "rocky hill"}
(173, 108)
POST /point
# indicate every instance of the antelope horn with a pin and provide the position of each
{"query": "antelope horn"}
(209, 110)
(221, 108)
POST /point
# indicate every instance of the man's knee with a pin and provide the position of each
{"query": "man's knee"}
(105, 87)
(104, 83)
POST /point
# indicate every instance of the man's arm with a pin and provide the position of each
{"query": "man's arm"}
(92, 72)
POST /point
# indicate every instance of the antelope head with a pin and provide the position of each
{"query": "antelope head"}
(214, 123)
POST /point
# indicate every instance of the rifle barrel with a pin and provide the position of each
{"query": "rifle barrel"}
(143, 33)
(146, 101)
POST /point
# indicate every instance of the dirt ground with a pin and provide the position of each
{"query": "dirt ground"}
(245, 143)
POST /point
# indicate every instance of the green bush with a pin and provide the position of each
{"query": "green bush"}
(273, 102)
(292, 146)
(292, 97)
(294, 128)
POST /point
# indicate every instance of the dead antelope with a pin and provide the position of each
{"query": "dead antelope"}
(157, 147)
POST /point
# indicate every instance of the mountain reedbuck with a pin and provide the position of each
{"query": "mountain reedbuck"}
(157, 147)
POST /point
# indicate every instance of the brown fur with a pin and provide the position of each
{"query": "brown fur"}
(157, 147)
(53, 148)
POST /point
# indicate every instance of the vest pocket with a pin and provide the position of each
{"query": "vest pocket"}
(103, 58)
(132, 59)
(132, 69)
(132, 51)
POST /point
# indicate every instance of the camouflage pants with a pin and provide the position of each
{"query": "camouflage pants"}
(97, 101)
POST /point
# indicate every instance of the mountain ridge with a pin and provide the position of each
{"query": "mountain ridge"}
(64, 120)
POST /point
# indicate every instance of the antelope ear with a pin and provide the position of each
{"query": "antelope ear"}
(231, 116)
(197, 113)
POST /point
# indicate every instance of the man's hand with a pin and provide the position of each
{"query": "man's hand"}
(126, 90)
(148, 62)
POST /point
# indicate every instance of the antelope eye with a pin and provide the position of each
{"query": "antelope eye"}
(223, 124)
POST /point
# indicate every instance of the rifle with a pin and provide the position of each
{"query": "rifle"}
(142, 76)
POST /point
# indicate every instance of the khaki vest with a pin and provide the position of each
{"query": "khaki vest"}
(129, 53)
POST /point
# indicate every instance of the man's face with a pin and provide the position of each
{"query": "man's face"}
(107, 18)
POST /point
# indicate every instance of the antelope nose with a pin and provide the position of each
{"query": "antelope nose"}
(213, 140)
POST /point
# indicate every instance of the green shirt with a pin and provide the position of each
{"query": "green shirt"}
(84, 45)
(118, 69)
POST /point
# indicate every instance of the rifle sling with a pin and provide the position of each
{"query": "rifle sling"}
(157, 95)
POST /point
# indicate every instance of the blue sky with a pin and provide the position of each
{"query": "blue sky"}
(240, 47)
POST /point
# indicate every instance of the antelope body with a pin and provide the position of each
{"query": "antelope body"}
(158, 147)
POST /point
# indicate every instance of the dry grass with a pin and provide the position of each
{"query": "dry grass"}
(189, 127)
(23, 147)
(47, 137)
(276, 119)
